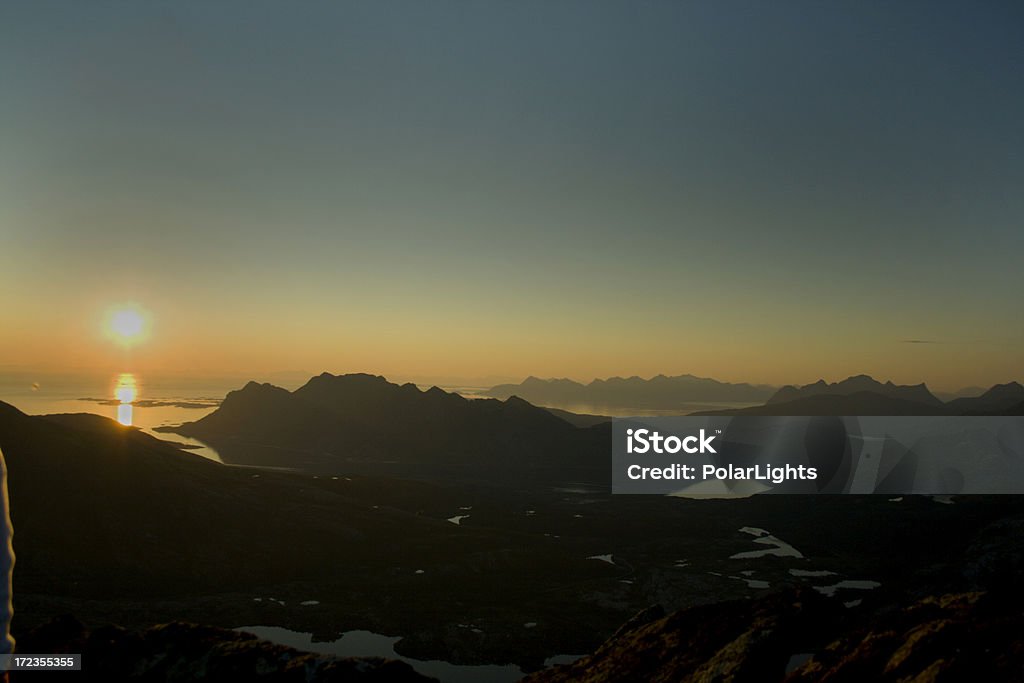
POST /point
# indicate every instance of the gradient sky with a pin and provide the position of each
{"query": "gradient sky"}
(769, 192)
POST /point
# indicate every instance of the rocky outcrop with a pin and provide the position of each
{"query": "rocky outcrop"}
(954, 637)
(800, 638)
(188, 652)
(745, 640)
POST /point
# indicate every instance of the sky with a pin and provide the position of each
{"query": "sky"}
(764, 192)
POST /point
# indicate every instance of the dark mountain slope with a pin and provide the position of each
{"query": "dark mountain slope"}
(101, 510)
(363, 423)
(117, 527)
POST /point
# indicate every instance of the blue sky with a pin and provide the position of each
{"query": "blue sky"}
(513, 188)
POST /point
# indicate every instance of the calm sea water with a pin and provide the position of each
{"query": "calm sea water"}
(130, 398)
(147, 402)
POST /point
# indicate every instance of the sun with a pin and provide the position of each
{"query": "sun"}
(127, 325)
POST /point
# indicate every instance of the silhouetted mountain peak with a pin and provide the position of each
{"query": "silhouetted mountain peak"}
(438, 395)
(999, 398)
(857, 384)
(1010, 389)
(339, 422)
(517, 402)
(253, 386)
(254, 391)
(350, 379)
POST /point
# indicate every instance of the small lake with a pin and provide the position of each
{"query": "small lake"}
(369, 644)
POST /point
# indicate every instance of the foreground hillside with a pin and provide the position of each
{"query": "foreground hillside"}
(114, 526)
(183, 653)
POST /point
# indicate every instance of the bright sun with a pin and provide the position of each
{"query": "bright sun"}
(127, 325)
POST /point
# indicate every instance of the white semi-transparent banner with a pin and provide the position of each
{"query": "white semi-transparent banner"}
(744, 455)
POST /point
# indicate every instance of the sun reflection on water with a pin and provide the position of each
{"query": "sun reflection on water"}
(126, 390)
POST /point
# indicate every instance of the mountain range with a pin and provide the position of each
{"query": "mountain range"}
(917, 393)
(863, 395)
(657, 393)
(856, 395)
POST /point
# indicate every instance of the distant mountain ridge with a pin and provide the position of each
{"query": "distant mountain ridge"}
(861, 403)
(659, 392)
(864, 395)
(1001, 397)
(916, 393)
